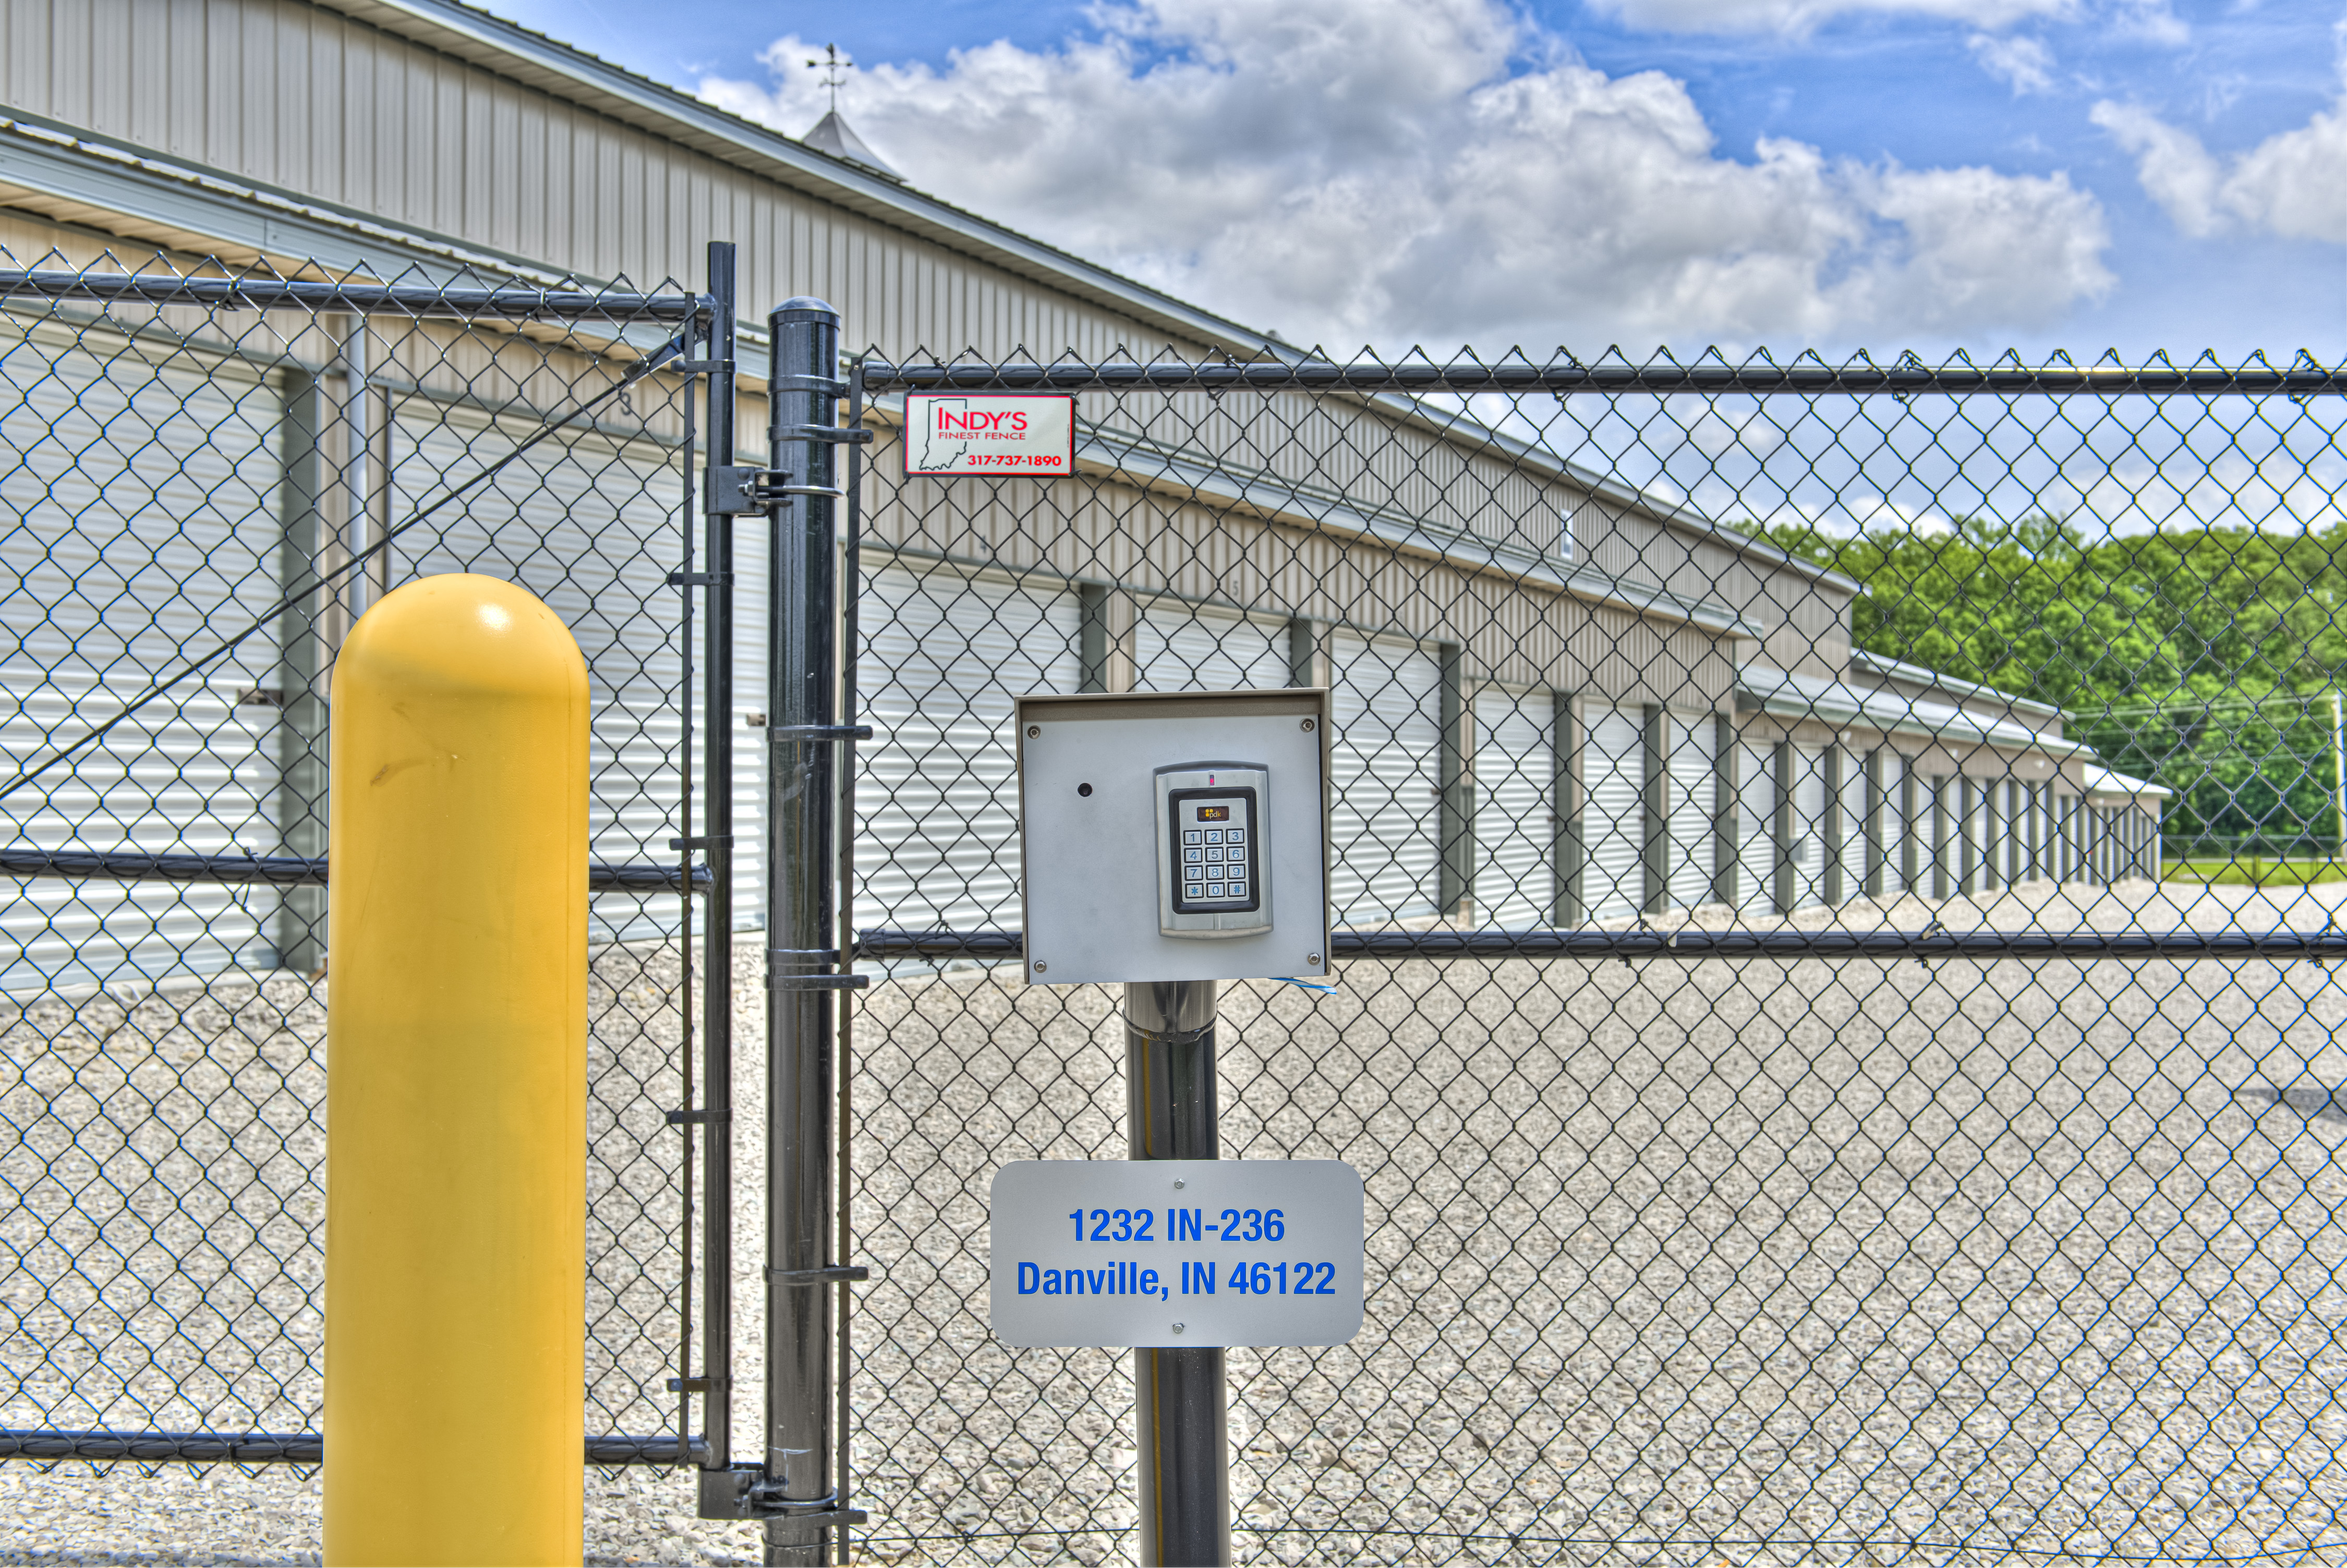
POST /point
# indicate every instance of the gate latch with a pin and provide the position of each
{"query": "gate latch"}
(736, 490)
(745, 1493)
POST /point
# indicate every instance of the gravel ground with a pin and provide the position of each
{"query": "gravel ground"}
(1740, 1260)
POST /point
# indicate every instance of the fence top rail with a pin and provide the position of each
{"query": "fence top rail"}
(2303, 378)
(464, 301)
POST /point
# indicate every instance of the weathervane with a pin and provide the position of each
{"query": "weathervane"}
(835, 67)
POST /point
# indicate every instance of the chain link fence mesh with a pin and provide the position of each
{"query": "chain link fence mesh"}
(205, 475)
(1678, 1249)
(1940, 1252)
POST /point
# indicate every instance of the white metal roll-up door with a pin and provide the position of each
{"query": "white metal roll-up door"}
(1694, 785)
(1894, 821)
(1613, 773)
(1809, 825)
(143, 525)
(1756, 850)
(2041, 832)
(1854, 824)
(589, 525)
(1974, 793)
(1516, 779)
(947, 652)
(1386, 780)
(1180, 647)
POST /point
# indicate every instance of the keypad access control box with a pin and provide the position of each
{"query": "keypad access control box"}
(1177, 835)
(1210, 842)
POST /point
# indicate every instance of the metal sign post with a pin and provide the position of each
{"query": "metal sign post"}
(1180, 1403)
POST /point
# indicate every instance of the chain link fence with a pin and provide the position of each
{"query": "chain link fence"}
(205, 475)
(1835, 871)
(1808, 1114)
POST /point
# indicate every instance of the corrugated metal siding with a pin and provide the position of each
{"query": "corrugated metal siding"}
(1155, 543)
(946, 653)
(334, 110)
(1180, 647)
(1693, 792)
(140, 495)
(1385, 773)
(1613, 773)
(1515, 834)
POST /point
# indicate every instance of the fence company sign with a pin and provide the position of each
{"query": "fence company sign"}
(990, 433)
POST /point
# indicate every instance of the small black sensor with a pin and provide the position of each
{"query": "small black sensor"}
(1083, 789)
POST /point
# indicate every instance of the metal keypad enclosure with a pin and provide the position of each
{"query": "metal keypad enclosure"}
(1208, 815)
(1110, 786)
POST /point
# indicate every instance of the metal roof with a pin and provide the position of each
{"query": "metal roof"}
(1782, 694)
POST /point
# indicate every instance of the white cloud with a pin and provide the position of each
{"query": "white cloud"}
(2023, 64)
(1798, 19)
(2293, 184)
(2150, 20)
(1369, 170)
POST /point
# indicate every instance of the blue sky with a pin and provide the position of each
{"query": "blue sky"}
(2142, 174)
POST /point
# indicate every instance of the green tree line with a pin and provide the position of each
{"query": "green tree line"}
(2203, 658)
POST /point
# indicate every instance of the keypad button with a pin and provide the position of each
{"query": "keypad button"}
(1214, 836)
(1238, 890)
(1192, 855)
(1213, 855)
(1214, 889)
(1190, 837)
(1235, 836)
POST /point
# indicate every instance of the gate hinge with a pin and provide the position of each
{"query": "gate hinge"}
(700, 841)
(709, 1383)
(736, 490)
(699, 1118)
(699, 579)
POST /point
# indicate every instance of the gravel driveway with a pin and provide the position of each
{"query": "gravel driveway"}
(1673, 1262)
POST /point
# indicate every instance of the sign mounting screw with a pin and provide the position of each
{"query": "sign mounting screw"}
(1033, 731)
(1041, 965)
(1308, 726)
(1177, 1328)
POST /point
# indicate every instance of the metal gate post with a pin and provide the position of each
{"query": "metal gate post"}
(797, 1495)
(717, 932)
(1180, 1400)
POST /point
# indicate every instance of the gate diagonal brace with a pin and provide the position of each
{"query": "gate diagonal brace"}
(744, 1492)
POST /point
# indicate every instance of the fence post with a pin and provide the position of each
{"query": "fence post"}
(804, 393)
(1181, 1404)
(457, 1074)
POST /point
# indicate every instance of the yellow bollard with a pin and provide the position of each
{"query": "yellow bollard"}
(456, 1082)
